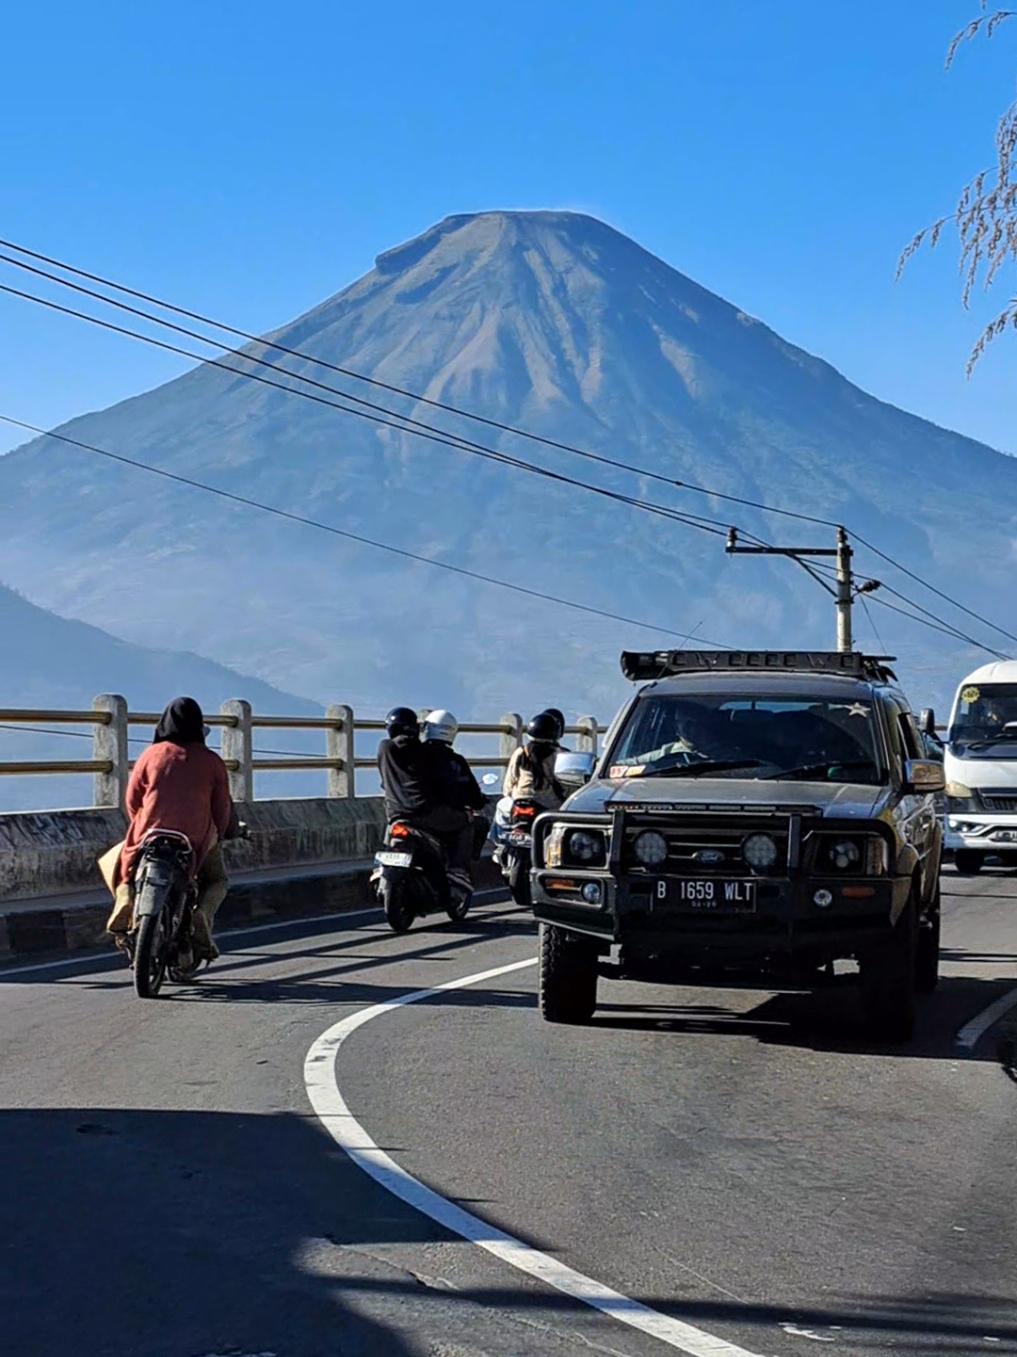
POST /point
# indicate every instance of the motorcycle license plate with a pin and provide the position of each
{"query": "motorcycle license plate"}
(709, 895)
(394, 859)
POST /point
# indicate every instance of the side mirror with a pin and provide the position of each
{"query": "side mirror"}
(923, 776)
(572, 770)
(927, 721)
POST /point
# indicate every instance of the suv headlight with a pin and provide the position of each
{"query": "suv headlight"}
(852, 854)
(575, 846)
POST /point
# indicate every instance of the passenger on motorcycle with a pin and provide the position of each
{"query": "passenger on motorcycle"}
(530, 772)
(177, 784)
(456, 818)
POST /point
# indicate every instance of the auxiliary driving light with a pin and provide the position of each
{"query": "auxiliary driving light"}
(759, 851)
(592, 892)
(650, 848)
(824, 899)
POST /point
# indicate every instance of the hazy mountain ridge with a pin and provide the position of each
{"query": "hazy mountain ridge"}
(51, 662)
(557, 323)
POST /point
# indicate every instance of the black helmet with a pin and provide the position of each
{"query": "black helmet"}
(559, 718)
(544, 728)
(402, 721)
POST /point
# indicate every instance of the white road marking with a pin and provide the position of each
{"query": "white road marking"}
(972, 1032)
(321, 1080)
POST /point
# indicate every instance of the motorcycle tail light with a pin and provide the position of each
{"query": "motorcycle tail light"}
(398, 831)
(524, 812)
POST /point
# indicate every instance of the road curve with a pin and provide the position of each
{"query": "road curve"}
(741, 1162)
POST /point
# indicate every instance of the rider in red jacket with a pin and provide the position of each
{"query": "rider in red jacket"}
(180, 784)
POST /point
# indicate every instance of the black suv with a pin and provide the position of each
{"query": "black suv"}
(754, 817)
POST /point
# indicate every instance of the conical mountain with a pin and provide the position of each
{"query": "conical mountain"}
(548, 320)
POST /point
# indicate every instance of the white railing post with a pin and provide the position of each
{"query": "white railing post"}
(109, 743)
(512, 738)
(339, 740)
(586, 739)
(235, 744)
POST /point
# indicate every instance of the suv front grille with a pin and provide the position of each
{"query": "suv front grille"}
(705, 849)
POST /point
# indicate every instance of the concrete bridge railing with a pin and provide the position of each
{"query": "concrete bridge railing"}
(111, 720)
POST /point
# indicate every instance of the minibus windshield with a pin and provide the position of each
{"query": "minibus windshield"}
(985, 717)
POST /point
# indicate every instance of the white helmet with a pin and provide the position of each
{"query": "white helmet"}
(440, 725)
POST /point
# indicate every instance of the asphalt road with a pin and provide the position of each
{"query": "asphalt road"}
(742, 1162)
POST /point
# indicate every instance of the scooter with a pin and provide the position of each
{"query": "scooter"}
(514, 852)
(411, 878)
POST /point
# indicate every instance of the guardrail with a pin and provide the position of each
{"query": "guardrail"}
(111, 719)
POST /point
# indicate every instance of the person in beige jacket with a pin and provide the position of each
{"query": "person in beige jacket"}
(530, 772)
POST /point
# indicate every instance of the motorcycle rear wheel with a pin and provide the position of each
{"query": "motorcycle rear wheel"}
(150, 955)
(519, 879)
(398, 905)
(459, 906)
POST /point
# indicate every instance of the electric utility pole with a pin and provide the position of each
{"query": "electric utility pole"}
(845, 591)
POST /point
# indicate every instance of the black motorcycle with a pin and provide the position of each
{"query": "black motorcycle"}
(411, 878)
(161, 941)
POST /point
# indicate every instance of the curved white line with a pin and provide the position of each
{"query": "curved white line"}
(323, 1090)
(972, 1032)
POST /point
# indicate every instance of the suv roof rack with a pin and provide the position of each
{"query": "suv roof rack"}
(643, 666)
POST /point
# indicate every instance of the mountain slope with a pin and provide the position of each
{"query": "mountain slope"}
(549, 320)
(48, 661)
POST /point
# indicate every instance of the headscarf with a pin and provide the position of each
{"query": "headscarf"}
(181, 723)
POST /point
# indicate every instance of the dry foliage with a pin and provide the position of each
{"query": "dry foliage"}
(986, 212)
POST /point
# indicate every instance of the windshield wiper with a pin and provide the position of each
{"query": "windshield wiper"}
(1003, 737)
(697, 769)
(810, 769)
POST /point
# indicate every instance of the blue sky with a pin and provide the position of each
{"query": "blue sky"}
(251, 159)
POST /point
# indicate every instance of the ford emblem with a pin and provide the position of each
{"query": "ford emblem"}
(709, 856)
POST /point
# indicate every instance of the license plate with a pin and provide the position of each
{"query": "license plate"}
(394, 859)
(707, 895)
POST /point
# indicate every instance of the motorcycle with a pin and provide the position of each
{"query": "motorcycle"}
(161, 938)
(411, 878)
(514, 851)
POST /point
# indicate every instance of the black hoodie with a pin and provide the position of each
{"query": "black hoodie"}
(406, 777)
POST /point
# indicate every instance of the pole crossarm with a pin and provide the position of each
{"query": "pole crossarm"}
(844, 592)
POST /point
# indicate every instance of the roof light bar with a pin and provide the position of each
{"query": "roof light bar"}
(643, 666)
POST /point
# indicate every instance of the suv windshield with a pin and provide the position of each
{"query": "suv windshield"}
(981, 717)
(772, 737)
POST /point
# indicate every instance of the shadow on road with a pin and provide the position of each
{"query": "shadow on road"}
(170, 1233)
(827, 1020)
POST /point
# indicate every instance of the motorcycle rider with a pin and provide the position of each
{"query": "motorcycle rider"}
(178, 783)
(407, 782)
(530, 772)
(559, 719)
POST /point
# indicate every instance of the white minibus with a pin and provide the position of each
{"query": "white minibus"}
(981, 768)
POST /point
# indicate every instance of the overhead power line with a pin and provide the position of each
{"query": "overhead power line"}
(446, 406)
(398, 422)
(408, 424)
(501, 425)
(351, 536)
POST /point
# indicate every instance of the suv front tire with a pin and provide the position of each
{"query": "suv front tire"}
(567, 980)
(888, 976)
